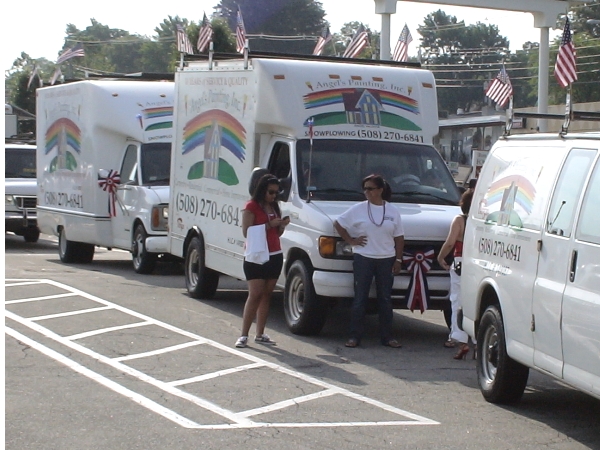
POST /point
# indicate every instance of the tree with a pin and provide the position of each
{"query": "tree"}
(274, 19)
(467, 57)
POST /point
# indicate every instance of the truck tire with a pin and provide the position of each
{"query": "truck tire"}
(501, 379)
(31, 235)
(143, 262)
(305, 312)
(200, 281)
(85, 252)
(67, 250)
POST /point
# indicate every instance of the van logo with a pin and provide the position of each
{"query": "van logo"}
(362, 107)
(508, 200)
(215, 129)
(64, 135)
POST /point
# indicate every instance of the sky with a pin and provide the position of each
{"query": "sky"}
(42, 33)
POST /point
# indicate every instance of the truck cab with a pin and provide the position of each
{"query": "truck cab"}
(20, 189)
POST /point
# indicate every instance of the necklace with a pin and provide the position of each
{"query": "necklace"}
(371, 215)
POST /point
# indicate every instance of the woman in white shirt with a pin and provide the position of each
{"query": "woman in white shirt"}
(374, 229)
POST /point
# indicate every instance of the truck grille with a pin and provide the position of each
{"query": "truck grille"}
(26, 202)
(423, 246)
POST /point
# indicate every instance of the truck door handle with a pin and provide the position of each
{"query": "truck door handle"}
(573, 266)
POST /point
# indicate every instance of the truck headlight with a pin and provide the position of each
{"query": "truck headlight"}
(160, 218)
(333, 247)
(9, 200)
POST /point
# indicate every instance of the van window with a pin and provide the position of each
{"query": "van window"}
(588, 227)
(416, 173)
(129, 167)
(156, 163)
(568, 192)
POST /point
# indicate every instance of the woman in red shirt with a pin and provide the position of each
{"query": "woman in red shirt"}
(262, 209)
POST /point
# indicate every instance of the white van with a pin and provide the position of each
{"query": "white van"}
(320, 126)
(531, 264)
(103, 158)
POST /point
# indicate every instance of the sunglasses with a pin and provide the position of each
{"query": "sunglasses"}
(272, 192)
(369, 188)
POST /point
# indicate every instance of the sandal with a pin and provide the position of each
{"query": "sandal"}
(449, 344)
(393, 343)
(352, 343)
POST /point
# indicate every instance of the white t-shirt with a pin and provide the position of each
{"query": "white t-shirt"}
(380, 239)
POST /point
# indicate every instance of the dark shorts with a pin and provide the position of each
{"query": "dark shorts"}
(267, 271)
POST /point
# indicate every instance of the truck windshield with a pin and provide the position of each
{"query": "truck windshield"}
(156, 164)
(416, 173)
(19, 163)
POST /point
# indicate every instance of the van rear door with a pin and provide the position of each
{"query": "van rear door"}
(581, 302)
(554, 261)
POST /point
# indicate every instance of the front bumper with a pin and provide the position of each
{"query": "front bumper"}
(18, 221)
(341, 285)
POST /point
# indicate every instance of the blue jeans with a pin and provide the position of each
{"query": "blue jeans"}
(364, 271)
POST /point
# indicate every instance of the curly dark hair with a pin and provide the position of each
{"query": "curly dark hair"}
(380, 182)
(261, 190)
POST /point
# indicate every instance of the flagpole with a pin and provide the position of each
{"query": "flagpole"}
(568, 112)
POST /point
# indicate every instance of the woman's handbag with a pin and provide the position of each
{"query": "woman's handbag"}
(257, 250)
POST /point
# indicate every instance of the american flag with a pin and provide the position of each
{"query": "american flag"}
(323, 39)
(183, 42)
(565, 69)
(204, 35)
(359, 41)
(401, 50)
(500, 89)
(240, 33)
(69, 53)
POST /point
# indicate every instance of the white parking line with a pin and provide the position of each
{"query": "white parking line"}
(235, 419)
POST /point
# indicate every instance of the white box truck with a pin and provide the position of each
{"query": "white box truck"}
(104, 154)
(320, 126)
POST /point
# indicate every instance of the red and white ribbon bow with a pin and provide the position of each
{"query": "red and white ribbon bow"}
(418, 264)
(109, 184)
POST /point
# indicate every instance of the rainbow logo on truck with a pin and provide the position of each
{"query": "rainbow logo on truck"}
(64, 135)
(363, 107)
(215, 129)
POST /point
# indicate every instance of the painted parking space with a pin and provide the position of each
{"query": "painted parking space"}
(215, 384)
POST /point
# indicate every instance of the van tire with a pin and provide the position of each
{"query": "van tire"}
(74, 252)
(305, 311)
(200, 281)
(85, 252)
(501, 379)
(31, 235)
(143, 262)
(67, 250)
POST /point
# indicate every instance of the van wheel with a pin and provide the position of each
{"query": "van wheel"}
(501, 379)
(67, 250)
(31, 235)
(143, 262)
(74, 252)
(85, 252)
(200, 281)
(305, 312)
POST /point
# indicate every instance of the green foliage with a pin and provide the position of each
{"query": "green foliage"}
(277, 18)
(460, 55)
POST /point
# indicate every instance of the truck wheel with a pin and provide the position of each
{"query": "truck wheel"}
(200, 281)
(501, 379)
(143, 262)
(67, 250)
(305, 312)
(31, 235)
(85, 252)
